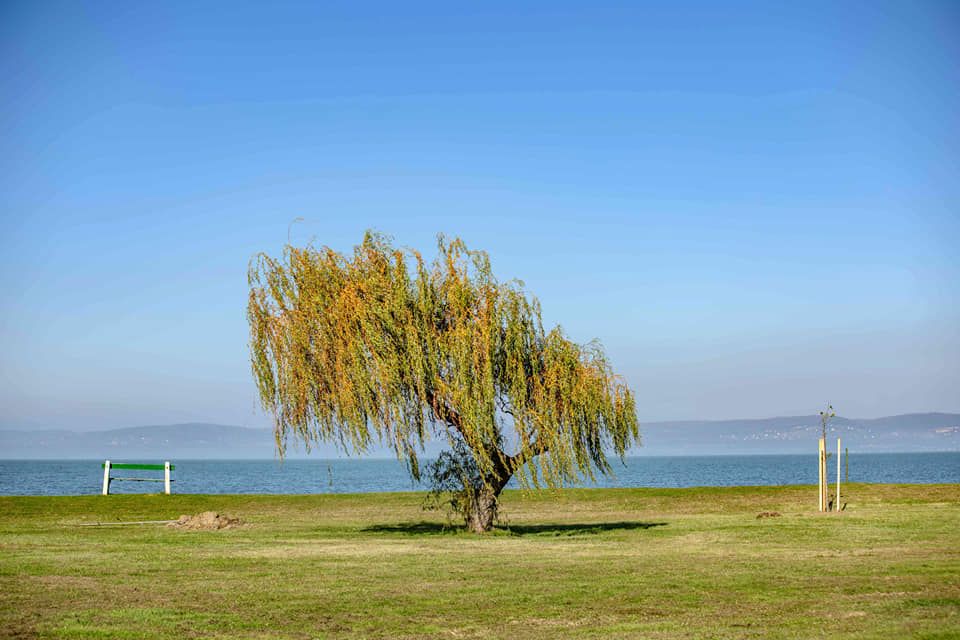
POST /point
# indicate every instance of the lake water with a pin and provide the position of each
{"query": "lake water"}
(84, 477)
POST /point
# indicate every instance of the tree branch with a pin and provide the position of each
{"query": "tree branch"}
(443, 412)
(524, 456)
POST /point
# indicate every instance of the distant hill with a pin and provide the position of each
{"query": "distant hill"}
(799, 434)
(194, 440)
(796, 434)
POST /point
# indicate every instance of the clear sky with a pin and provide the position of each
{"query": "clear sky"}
(754, 206)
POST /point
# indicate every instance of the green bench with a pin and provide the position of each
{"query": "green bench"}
(166, 467)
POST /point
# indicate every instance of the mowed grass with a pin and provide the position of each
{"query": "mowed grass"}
(643, 563)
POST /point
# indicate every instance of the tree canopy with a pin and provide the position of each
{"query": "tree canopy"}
(382, 346)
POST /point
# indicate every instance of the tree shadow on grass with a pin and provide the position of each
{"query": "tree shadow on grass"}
(415, 528)
(577, 529)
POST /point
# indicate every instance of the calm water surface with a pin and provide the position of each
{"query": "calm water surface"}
(84, 477)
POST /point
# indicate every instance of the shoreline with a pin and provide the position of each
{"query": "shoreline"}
(545, 492)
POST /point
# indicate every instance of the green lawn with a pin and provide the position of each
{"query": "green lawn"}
(644, 563)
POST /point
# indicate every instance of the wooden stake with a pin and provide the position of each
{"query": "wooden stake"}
(166, 477)
(822, 503)
(837, 499)
(826, 479)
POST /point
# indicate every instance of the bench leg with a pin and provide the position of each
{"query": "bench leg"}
(106, 478)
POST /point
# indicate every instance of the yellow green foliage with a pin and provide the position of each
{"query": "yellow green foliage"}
(380, 346)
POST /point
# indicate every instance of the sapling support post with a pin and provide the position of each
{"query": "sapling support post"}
(824, 492)
(822, 474)
(836, 500)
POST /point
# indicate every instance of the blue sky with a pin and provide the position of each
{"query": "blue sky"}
(756, 208)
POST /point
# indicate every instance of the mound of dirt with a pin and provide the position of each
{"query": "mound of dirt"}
(768, 514)
(206, 521)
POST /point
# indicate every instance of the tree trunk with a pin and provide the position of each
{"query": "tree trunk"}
(483, 508)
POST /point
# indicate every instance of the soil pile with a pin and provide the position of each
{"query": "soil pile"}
(206, 521)
(768, 514)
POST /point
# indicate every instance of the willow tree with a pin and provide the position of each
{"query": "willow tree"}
(383, 347)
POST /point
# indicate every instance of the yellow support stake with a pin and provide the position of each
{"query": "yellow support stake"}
(822, 503)
(826, 479)
(838, 476)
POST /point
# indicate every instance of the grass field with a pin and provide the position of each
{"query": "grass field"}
(650, 563)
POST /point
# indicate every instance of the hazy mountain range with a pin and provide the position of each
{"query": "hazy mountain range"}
(797, 434)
